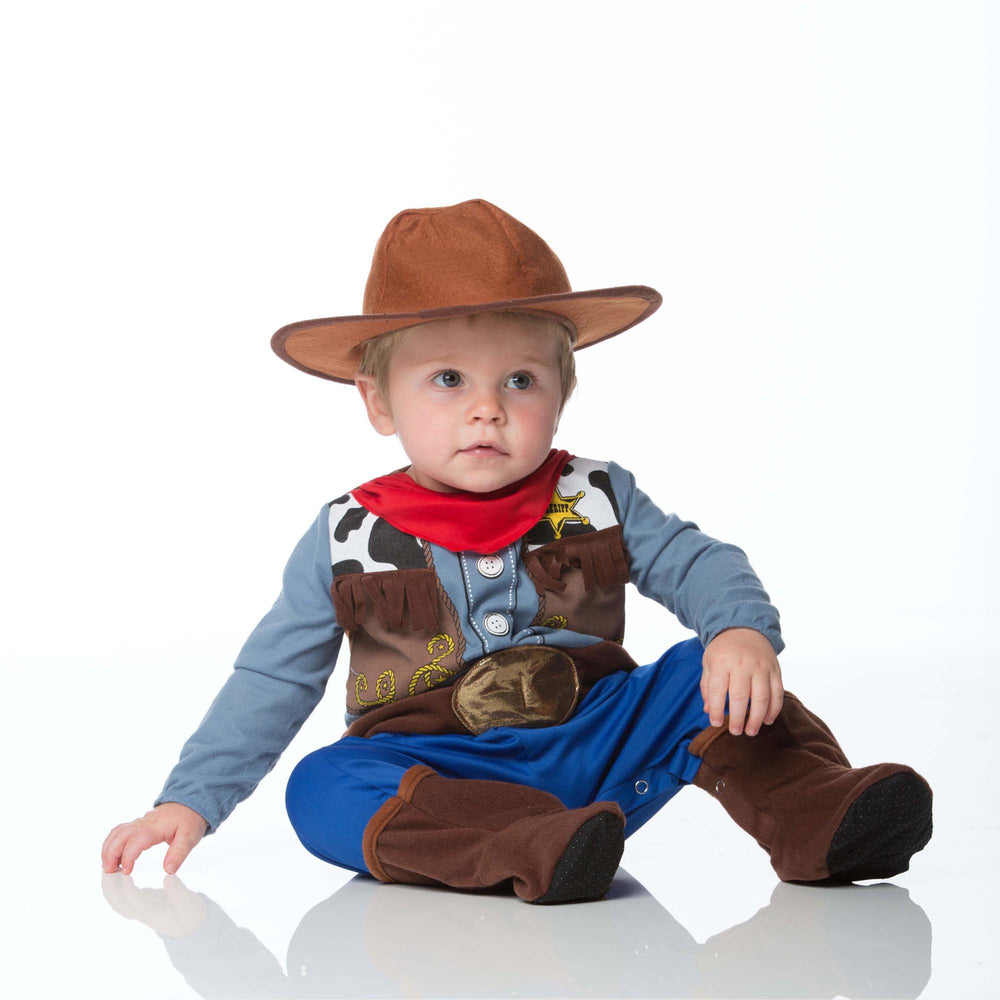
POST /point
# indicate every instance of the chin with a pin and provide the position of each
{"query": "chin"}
(484, 484)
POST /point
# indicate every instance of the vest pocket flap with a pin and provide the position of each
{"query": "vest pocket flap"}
(599, 555)
(401, 599)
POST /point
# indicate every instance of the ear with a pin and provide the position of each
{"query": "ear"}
(378, 410)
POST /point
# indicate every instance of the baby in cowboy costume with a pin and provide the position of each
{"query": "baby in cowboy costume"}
(499, 733)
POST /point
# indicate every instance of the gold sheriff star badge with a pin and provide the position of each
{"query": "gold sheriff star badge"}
(562, 509)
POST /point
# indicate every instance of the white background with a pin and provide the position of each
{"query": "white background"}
(812, 187)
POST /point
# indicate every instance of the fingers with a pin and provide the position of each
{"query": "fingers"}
(110, 854)
(117, 842)
(759, 693)
(716, 700)
(183, 841)
(741, 661)
(141, 840)
(760, 700)
(777, 698)
(739, 698)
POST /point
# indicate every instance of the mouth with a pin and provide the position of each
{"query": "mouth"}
(484, 449)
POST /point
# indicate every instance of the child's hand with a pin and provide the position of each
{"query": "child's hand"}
(171, 822)
(742, 662)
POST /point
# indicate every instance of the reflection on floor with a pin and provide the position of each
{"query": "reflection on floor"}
(376, 940)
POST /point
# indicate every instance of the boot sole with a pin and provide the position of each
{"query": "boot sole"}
(588, 865)
(883, 828)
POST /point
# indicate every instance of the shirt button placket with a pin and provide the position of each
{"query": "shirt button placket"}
(496, 624)
(490, 566)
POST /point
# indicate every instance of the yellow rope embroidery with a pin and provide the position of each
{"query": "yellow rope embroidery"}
(446, 645)
(385, 688)
(556, 621)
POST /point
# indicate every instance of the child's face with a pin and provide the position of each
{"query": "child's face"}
(475, 408)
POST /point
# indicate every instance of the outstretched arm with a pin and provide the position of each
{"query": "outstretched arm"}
(278, 678)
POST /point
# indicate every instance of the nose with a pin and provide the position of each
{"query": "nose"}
(485, 407)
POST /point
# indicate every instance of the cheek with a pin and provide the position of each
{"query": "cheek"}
(542, 415)
(416, 413)
(426, 430)
(539, 423)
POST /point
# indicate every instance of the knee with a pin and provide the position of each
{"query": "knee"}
(305, 785)
(689, 652)
(313, 806)
(693, 647)
(682, 666)
(693, 656)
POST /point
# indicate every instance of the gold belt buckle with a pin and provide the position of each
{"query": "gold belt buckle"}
(529, 686)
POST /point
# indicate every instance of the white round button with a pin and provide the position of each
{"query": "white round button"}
(496, 624)
(490, 566)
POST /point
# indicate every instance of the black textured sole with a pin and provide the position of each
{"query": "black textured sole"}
(883, 828)
(588, 865)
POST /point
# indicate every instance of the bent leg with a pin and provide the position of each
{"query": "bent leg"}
(364, 806)
(793, 790)
(543, 808)
(333, 792)
(471, 833)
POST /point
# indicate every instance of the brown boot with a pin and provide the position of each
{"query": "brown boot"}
(471, 834)
(792, 788)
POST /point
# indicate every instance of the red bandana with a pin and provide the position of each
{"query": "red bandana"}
(464, 522)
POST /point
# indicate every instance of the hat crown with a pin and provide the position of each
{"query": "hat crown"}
(429, 258)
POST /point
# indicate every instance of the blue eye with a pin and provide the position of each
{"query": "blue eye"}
(521, 380)
(448, 379)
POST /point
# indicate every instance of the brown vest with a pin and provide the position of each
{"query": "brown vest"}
(406, 642)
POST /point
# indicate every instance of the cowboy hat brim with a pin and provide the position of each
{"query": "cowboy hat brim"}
(330, 348)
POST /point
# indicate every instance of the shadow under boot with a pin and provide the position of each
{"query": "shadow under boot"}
(471, 833)
(792, 788)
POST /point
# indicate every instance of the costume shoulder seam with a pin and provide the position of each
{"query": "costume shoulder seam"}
(344, 498)
(589, 463)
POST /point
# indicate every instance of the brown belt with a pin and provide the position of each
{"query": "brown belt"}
(527, 686)
(530, 686)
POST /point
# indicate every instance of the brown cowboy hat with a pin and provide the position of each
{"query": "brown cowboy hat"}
(432, 263)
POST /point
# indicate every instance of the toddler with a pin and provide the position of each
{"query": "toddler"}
(499, 734)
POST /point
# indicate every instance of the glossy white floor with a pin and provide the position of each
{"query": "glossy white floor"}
(695, 909)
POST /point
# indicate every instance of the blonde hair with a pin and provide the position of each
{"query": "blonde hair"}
(377, 352)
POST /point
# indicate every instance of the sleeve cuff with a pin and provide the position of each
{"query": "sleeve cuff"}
(770, 631)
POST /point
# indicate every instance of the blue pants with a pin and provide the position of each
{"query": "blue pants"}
(627, 742)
